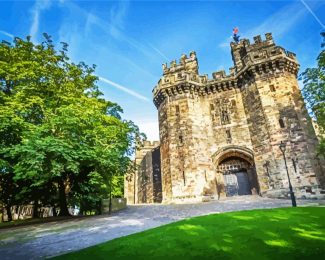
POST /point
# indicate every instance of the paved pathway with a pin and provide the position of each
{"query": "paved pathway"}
(50, 239)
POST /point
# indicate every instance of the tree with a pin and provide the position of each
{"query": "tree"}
(59, 135)
(314, 93)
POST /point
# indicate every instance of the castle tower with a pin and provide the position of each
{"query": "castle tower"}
(221, 136)
(267, 76)
(144, 185)
(180, 125)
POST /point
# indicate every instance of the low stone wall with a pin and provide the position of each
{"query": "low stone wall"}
(117, 204)
(26, 211)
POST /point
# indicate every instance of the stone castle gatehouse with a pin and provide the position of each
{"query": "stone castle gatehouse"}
(220, 136)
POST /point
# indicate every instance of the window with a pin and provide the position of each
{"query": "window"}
(180, 139)
(272, 88)
(281, 123)
(184, 178)
(211, 107)
(225, 119)
(233, 103)
(228, 134)
(177, 109)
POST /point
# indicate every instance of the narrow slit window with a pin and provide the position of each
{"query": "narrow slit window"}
(272, 88)
(177, 109)
(181, 139)
(184, 178)
(228, 134)
(281, 123)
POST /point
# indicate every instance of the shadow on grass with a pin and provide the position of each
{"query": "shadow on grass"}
(285, 233)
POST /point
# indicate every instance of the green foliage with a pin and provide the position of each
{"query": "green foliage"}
(314, 92)
(287, 233)
(58, 137)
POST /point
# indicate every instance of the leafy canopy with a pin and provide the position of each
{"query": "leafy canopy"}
(58, 135)
(314, 92)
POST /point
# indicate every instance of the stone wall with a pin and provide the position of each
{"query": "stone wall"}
(144, 186)
(117, 204)
(246, 114)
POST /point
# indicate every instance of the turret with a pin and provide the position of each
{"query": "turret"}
(245, 55)
(186, 64)
(179, 78)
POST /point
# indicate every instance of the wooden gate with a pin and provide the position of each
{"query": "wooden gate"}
(237, 183)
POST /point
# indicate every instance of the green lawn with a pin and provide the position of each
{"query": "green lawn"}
(287, 233)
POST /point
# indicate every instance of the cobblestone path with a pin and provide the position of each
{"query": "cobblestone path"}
(50, 239)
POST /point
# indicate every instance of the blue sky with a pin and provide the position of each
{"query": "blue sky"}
(129, 40)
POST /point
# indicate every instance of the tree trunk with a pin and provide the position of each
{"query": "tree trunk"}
(54, 211)
(20, 209)
(63, 200)
(8, 209)
(35, 209)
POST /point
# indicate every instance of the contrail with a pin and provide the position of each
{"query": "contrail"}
(159, 52)
(124, 89)
(312, 13)
(7, 34)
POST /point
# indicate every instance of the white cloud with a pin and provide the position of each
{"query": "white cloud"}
(148, 126)
(114, 27)
(38, 7)
(124, 89)
(7, 34)
(118, 14)
(278, 23)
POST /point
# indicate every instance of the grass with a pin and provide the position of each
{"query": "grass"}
(287, 233)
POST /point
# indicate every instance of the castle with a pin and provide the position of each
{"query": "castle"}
(220, 137)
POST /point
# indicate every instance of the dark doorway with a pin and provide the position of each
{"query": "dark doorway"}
(157, 186)
(243, 183)
(237, 183)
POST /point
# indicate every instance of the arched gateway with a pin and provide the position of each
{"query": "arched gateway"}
(235, 171)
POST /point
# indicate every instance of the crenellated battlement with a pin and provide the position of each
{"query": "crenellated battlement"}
(258, 42)
(245, 54)
(145, 147)
(251, 60)
(185, 64)
(150, 143)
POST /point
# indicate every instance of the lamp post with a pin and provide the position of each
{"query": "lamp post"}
(282, 147)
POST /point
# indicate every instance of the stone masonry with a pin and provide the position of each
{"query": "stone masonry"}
(144, 186)
(220, 136)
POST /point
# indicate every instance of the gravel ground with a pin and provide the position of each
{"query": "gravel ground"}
(50, 239)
